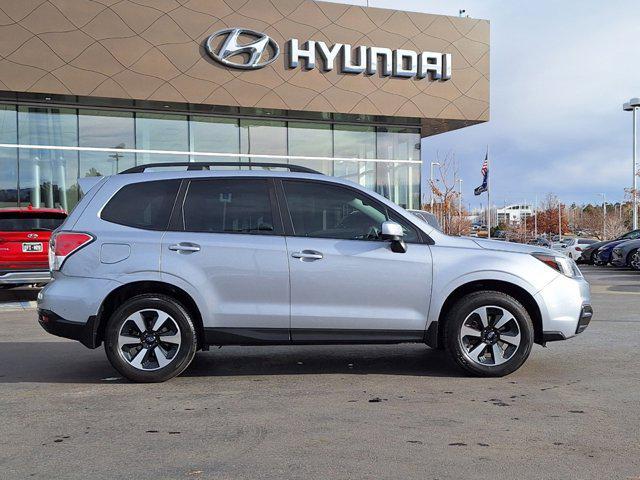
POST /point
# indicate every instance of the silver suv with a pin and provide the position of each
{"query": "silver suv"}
(159, 264)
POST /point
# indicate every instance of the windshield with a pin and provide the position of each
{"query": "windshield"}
(16, 222)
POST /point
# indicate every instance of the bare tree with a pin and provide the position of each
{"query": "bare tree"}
(453, 220)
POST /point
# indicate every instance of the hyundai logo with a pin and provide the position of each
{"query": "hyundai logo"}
(247, 56)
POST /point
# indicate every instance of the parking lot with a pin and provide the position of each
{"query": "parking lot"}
(312, 412)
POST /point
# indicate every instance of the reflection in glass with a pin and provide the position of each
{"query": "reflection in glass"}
(351, 141)
(266, 137)
(311, 140)
(8, 157)
(98, 128)
(48, 177)
(158, 131)
(215, 135)
(396, 180)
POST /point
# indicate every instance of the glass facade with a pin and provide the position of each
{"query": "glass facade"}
(47, 177)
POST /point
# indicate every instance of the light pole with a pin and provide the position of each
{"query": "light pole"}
(535, 219)
(460, 207)
(631, 106)
(604, 216)
(431, 181)
(559, 221)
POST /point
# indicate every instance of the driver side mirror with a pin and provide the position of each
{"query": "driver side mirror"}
(392, 232)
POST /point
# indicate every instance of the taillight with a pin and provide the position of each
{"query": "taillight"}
(578, 249)
(63, 244)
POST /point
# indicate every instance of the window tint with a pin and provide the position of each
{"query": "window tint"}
(228, 206)
(16, 222)
(144, 205)
(328, 211)
(586, 242)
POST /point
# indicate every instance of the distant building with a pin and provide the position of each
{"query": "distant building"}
(514, 214)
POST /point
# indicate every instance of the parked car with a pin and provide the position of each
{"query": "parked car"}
(24, 244)
(159, 264)
(541, 242)
(589, 253)
(560, 246)
(428, 217)
(626, 254)
(575, 246)
(605, 252)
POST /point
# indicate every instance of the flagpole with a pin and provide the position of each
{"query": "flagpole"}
(488, 195)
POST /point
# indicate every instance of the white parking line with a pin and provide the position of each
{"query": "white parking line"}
(17, 306)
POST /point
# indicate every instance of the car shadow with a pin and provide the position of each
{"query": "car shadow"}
(19, 294)
(67, 362)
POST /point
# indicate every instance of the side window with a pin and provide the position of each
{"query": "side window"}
(145, 205)
(228, 206)
(328, 211)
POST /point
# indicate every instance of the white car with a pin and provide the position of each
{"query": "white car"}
(157, 265)
(574, 246)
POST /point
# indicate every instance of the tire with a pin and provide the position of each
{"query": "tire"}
(166, 351)
(467, 350)
(593, 258)
(633, 260)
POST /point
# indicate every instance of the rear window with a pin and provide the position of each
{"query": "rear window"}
(18, 222)
(586, 242)
(145, 205)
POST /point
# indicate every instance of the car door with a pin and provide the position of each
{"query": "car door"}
(228, 246)
(346, 283)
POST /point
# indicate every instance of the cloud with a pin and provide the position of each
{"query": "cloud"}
(560, 72)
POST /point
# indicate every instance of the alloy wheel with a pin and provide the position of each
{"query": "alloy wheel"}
(490, 336)
(635, 260)
(149, 339)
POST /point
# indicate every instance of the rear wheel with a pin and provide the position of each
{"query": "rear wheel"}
(488, 333)
(150, 338)
(633, 260)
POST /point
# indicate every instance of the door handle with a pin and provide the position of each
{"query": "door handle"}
(184, 247)
(308, 255)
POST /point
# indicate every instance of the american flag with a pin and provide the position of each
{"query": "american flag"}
(485, 176)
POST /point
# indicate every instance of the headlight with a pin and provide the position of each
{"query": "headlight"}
(562, 264)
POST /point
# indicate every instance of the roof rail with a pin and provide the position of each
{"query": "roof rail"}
(206, 165)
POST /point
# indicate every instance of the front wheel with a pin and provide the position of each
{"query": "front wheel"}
(633, 260)
(150, 338)
(488, 333)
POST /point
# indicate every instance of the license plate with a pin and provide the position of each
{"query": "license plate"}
(32, 247)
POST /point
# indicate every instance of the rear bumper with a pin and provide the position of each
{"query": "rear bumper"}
(18, 277)
(54, 324)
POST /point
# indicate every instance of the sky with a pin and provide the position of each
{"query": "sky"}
(560, 72)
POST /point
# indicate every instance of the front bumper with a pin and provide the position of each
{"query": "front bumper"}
(565, 307)
(618, 259)
(85, 333)
(604, 256)
(585, 257)
(20, 277)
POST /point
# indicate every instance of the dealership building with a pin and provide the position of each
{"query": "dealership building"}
(93, 88)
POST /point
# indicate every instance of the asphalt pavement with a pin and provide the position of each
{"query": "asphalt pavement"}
(349, 412)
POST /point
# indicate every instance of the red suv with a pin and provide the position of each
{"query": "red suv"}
(24, 244)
